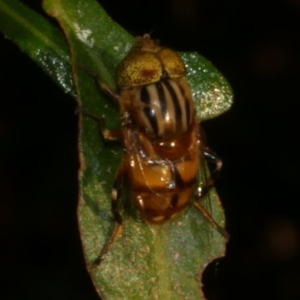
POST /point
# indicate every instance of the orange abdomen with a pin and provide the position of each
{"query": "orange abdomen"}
(162, 188)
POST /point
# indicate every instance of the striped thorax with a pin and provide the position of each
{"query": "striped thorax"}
(163, 110)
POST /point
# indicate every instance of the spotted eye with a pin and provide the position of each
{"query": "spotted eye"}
(139, 68)
(172, 63)
(148, 63)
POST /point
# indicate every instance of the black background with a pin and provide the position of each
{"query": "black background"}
(255, 44)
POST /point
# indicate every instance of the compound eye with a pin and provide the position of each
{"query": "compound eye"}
(147, 63)
(139, 68)
(172, 63)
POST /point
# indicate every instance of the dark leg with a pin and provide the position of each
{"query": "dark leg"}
(215, 165)
(115, 199)
(111, 135)
(210, 219)
(105, 88)
(107, 134)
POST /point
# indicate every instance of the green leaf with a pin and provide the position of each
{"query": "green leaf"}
(210, 90)
(40, 40)
(146, 262)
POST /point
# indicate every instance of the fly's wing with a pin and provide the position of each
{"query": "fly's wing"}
(207, 200)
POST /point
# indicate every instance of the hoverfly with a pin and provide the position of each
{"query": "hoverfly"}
(162, 138)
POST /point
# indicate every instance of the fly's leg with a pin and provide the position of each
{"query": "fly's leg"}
(209, 218)
(105, 88)
(201, 193)
(111, 135)
(107, 134)
(115, 199)
(215, 165)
